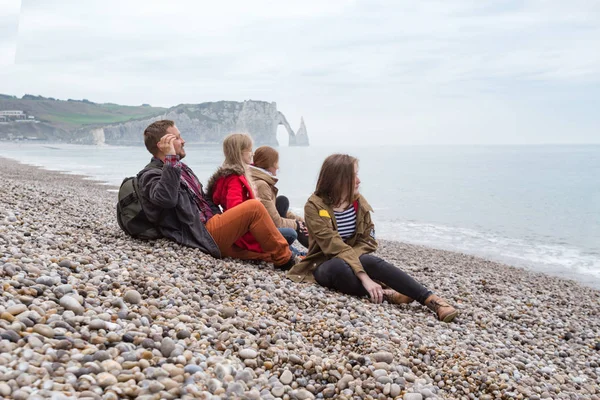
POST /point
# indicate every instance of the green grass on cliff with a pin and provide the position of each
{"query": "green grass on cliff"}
(75, 114)
(91, 119)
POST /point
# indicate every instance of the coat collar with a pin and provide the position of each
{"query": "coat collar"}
(264, 175)
(157, 162)
(363, 205)
(221, 172)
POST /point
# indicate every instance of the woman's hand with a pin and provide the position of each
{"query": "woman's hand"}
(374, 289)
(302, 227)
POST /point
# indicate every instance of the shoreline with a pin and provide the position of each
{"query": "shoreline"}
(561, 270)
(94, 312)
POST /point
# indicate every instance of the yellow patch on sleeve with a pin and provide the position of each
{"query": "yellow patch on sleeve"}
(324, 213)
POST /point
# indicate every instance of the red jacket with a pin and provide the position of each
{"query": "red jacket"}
(228, 187)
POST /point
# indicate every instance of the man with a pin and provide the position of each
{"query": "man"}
(173, 199)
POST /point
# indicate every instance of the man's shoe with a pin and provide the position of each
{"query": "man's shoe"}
(445, 312)
(288, 265)
(393, 297)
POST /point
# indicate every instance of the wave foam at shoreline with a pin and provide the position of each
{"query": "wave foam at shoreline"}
(560, 260)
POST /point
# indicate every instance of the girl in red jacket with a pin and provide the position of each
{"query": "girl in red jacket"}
(232, 184)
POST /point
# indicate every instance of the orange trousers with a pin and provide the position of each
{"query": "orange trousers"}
(249, 216)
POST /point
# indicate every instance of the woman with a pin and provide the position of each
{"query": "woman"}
(343, 236)
(231, 185)
(264, 172)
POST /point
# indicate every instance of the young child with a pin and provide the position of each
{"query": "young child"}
(232, 185)
(264, 175)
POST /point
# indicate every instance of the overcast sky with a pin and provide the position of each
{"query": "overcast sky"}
(401, 72)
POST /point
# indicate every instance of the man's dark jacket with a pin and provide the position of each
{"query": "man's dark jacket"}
(168, 203)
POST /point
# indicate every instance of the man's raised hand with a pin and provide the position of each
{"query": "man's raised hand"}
(165, 145)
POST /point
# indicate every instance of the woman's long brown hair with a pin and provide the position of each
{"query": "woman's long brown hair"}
(337, 180)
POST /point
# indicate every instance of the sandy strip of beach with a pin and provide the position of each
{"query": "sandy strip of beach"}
(87, 312)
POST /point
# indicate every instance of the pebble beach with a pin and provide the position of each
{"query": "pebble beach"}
(87, 312)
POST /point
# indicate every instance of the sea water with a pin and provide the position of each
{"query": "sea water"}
(536, 207)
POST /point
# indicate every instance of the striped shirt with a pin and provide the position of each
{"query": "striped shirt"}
(346, 222)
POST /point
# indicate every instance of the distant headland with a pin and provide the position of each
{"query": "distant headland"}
(85, 122)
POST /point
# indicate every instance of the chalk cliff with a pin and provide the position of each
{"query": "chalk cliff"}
(199, 123)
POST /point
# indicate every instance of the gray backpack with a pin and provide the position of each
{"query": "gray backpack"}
(130, 213)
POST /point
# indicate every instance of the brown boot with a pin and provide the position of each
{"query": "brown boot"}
(393, 297)
(445, 312)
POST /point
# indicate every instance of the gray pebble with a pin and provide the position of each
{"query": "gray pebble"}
(184, 334)
(248, 354)
(61, 290)
(192, 369)
(97, 324)
(101, 355)
(328, 392)
(383, 356)
(70, 303)
(47, 280)
(20, 394)
(44, 330)
(235, 388)
(286, 377)
(278, 391)
(303, 394)
(167, 346)
(228, 312)
(34, 342)
(132, 297)
(5, 390)
(344, 381)
(10, 335)
(243, 375)
(16, 309)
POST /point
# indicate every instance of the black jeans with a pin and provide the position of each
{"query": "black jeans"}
(336, 274)
(283, 205)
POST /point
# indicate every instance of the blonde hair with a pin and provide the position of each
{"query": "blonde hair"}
(234, 145)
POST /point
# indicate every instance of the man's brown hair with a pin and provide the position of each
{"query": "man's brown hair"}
(265, 157)
(337, 180)
(154, 132)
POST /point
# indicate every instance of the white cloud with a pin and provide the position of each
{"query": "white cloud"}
(9, 26)
(403, 72)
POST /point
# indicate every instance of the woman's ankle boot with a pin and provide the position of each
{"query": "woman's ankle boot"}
(445, 312)
(393, 297)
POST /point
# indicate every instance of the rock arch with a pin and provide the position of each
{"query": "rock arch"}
(299, 138)
(282, 120)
